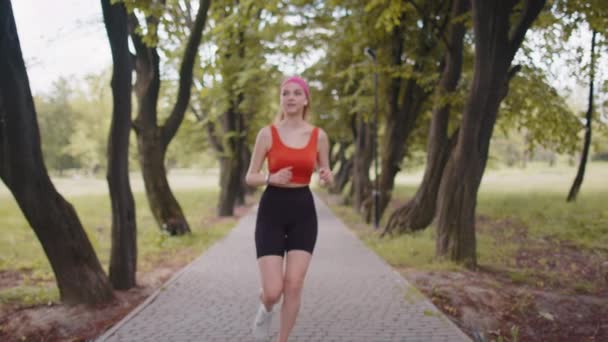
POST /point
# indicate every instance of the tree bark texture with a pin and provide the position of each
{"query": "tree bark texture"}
(406, 96)
(419, 211)
(78, 273)
(231, 162)
(362, 200)
(495, 46)
(123, 256)
(153, 140)
(345, 170)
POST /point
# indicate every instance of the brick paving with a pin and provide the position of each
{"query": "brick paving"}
(350, 294)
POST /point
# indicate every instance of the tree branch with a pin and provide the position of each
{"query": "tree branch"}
(199, 116)
(140, 47)
(505, 87)
(186, 74)
(215, 142)
(531, 10)
(434, 25)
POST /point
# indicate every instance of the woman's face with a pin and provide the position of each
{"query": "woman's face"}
(293, 98)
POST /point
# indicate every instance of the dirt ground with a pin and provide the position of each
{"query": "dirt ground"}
(57, 322)
(564, 296)
(486, 302)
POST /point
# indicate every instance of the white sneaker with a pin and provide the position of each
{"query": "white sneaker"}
(261, 324)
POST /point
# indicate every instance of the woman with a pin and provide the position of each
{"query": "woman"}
(286, 224)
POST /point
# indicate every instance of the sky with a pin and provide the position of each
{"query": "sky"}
(67, 38)
(61, 38)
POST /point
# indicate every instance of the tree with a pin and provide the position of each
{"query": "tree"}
(153, 140)
(499, 28)
(345, 100)
(595, 14)
(241, 89)
(578, 180)
(78, 273)
(419, 211)
(123, 256)
(412, 52)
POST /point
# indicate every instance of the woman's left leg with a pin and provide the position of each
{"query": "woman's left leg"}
(297, 262)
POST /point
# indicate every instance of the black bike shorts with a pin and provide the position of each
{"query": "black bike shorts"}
(286, 220)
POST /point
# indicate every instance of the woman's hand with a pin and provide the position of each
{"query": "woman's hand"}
(326, 176)
(281, 177)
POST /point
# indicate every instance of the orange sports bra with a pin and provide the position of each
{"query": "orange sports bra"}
(302, 160)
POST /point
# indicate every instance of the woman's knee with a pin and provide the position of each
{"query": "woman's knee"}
(272, 293)
(293, 287)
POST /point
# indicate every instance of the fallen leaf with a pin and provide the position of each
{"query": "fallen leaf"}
(546, 315)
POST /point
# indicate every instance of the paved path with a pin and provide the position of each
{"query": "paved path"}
(350, 294)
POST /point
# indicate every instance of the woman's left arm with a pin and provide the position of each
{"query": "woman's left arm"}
(323, 158)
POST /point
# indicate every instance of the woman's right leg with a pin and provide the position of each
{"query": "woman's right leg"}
(271, 274)
(295, 272)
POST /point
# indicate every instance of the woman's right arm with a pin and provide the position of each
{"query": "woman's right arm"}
(262, 144)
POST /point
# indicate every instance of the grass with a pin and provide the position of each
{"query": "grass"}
(21, 251)
(533, 198)
(29, 295)
(408, 250)
(584, 222)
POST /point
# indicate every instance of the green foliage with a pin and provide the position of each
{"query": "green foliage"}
(558, 54)
(593, 12)
(190, 147)
(345, 74)
(57, 122)
(535, 109)
(151, 11)
(233, 73)
(248, 44)
(93, 103)
(74, 121)
(391, 14)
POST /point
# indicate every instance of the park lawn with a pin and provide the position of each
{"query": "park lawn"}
(532, 198)
(29, 280)
(539, 257)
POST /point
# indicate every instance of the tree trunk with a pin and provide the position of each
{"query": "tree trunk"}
(153, 140)
(419, 211)
(231, 165)
(123, 258)
(78, 273)
(244, 189)
(495, 47)
(578, 180)
(405, 98)
(344, 173)
(163, 204)
(397, 129)
(362, 161)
